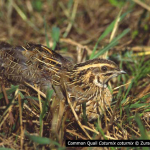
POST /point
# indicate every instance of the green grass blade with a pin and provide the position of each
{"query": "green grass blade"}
(129, 88)
(84, 113)
(31, 97)
(44, 109)
(46, 36)
(106, 32)
(10, 91)
(111, 44)
(41, 140)
(37, 5)
(141, 127)
(136, 105)
(101, 131)
(55, 36)
(48, 97)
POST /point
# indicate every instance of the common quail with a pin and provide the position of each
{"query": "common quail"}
(37, 64)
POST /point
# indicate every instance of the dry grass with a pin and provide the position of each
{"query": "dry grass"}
(26, 113)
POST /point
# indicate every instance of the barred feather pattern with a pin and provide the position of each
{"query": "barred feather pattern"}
(37, 64)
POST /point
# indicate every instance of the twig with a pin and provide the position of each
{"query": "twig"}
(21, 125)
(75, 115)
(74, 133)
(133, 130)
(94, 131)
(113, 115)
(41, 110)
(60, 115)
(72, 42)
(114, 31)
(27, 107)
(41, 93)
(7, 102)
(142, 4)
(77, 119)
(121, 86)
(72, 18)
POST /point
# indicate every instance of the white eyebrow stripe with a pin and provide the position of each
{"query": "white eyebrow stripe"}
(94, 65)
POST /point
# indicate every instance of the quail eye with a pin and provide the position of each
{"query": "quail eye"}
(104, 68)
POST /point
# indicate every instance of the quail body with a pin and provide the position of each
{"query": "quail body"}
(84, 82)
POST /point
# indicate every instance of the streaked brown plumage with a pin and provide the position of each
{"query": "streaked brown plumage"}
(37, 64)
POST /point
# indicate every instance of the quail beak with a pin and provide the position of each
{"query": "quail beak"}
(122, 72)
(119, 72)
(115, 74)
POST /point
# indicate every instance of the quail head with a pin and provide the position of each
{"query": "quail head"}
(88, 82)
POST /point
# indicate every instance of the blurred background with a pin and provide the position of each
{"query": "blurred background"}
(81, 21)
